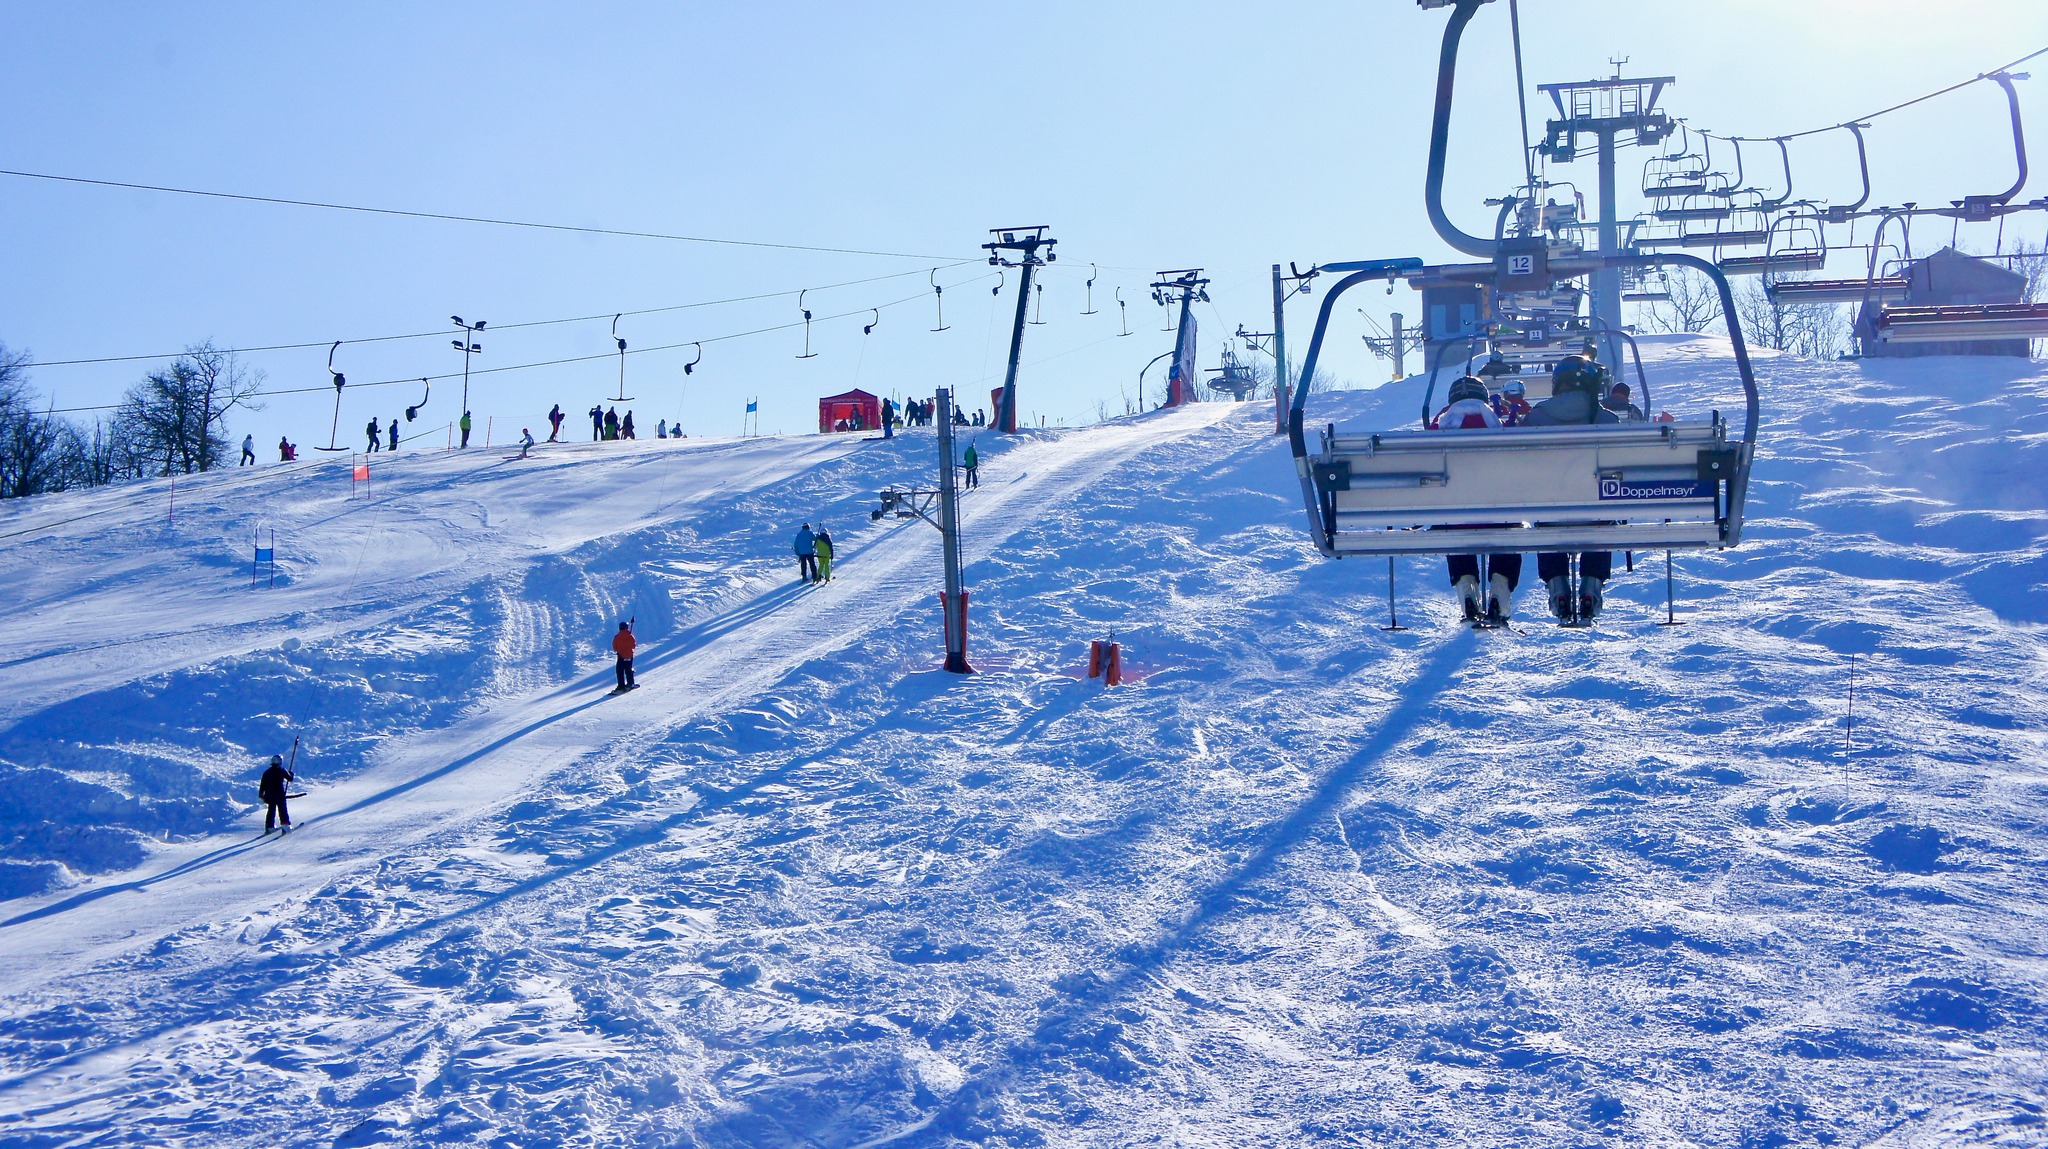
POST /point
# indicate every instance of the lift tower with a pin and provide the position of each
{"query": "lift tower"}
(1026, 243)
(1607, 110)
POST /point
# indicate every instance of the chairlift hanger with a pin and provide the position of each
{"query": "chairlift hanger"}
(808, 353)
(1846, 213)
(1038, 301)
(413, 411)
(621, 397)
(938, 297)
(1785, 156)
(340, 381)
(1092, 273)
(998, 288)
(1123, 313)
(692, 364)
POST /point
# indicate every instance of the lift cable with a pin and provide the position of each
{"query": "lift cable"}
(553, 362)
(464, 218)
(500, 327)
(1861, 120)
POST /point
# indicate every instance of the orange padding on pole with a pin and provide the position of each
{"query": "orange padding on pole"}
(1095, 659)
(1113, 671)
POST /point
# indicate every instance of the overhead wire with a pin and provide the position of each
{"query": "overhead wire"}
(1978, 78)
(454, 218)
(442, 332)
(324, 387)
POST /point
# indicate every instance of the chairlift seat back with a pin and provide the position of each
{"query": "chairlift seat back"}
(1965, 323)
(1885, 289)
(1635, 486)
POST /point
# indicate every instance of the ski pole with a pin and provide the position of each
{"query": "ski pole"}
(291, 768)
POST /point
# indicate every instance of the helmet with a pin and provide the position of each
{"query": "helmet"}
(1575, 373)
(277, 759)
(1468, 388)
(1513, 387)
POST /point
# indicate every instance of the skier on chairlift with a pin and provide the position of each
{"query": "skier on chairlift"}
(1469, 410)
(1512, 404)
(1575, 389)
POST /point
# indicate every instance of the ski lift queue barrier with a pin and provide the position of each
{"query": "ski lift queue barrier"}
(1629, 486)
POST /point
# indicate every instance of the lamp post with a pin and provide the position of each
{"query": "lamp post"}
(1141, 378)
(468, 347)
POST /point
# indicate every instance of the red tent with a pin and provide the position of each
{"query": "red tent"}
(858, 410)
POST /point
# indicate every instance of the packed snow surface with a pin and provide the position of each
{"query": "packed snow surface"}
(1302, 881)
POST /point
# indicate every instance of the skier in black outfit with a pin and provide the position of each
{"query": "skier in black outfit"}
(394, 435)
(596, 424)
(272, 790)
(374, 429)
(1576, 386)
(611, 423)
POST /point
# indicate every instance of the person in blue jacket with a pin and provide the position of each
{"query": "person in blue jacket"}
(806, 545)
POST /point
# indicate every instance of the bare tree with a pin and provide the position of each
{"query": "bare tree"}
(176, 418)
(1809, 330)
(1694, 306)
(32, 445)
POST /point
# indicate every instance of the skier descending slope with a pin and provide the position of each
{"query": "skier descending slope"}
(272, 790)
(1575, 387)
(623, 645)
(1468, 411)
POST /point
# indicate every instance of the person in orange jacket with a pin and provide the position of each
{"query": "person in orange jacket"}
(623, 645)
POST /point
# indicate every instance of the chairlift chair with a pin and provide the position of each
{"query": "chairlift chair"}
(1795, 242)
(939, 298)
(340, 381)
(1630, 486)
(808, 353)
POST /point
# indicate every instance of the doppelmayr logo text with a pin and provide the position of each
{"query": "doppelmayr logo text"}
(1616, 489)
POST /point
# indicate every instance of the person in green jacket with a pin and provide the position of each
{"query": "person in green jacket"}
(973, 463)
(464, 424)
(821, 544)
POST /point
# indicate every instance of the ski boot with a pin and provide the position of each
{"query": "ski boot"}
(1589, 600)
(1500, 601)
(1467, 588)
(1561, 603)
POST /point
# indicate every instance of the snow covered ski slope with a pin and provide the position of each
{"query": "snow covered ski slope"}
(1306, 882)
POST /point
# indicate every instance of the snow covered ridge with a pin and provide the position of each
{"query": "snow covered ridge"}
(1308, 882)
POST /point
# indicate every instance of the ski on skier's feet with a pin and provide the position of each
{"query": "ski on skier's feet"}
(623, 689)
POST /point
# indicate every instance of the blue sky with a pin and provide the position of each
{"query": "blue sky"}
(1148, 136)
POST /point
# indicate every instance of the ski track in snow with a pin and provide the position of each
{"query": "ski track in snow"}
(1304, 882)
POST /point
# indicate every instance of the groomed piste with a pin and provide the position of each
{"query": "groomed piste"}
(1302, 881)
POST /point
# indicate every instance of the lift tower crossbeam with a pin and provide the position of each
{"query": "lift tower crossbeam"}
(1607, 110)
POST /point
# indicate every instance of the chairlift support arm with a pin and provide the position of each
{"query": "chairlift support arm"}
(1440, 136)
